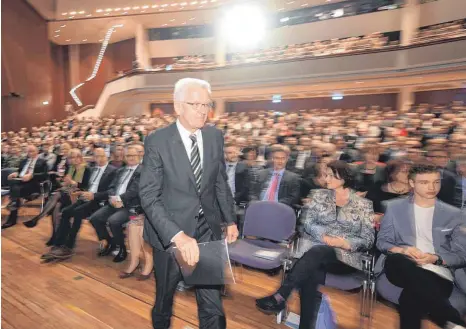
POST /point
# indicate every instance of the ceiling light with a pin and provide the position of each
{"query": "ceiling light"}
(99, 11)
(155, 6)
(164, 5)
(304, 5)
(82, 12)
(117, 9)
(136, 8)
(72, 13)
(164, 24)
(203, 2)
(106, 14)
(64, 14)
(56, 36)
(64, 25)
(192, 18)
(284, 19)
(68, 40)
(145, 7)
(84, 40)
(244, 25)
(183, 4)
(108, 10)
(161, 9)
(290, 3)
(174, 4)
(89, 15)
(45, 103)
(127, 8)
(143, 11)
(172, 20)
(57, 31)
(124, 13)
(101, 40)
(213, 0)
(71, 17)
(194, 3)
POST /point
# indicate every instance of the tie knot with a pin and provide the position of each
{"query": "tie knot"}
(193, 138)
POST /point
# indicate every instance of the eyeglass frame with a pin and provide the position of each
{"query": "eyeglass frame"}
(197, 106)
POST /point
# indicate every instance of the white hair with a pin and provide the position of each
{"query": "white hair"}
(182, 84)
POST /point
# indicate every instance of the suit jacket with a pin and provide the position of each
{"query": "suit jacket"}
(130, 198)
(379, 177)
(242, 182)
(168, 192)
(289, 191)
(448, 233)
(106, 180)
(447, 191)
(40, 170)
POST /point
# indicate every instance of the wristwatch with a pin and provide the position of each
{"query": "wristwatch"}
(439, 260)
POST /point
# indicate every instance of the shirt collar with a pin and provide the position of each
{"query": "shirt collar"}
(185, 133)
(103, 167)
(279, 172)
(231, 163)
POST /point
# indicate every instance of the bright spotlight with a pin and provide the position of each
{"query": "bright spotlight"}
(244, 25)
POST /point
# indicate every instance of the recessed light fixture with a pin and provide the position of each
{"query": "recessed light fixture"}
(155, 6)
(45, 103)
(64, 14)
(161, 9)
(203, 2)
(194, 3)
(290, 3)
(183, 4)
(359, 82)
(56, 36)
(64, 25)
(82, 12)
(108, 10)
(284, 19)
(106, 14)
(145, 7)
(71, 17)
(84, 40)
(72, 13)
(127, 8)
(174, 4)
(57, 31)
(68, 40)
(143, 11)
(164, 5)
(164, 24)
(136, 8)
(124, 13)
(117, 9)
(213, 0)
(99, 10)
(89, 15)
(304, 5)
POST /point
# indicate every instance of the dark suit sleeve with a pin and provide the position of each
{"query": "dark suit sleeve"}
(113, 185)
(256, 185)
(293, 191)
(40, 170)
(224, 196)
(84, 185)
(150, 192)
(131, 197)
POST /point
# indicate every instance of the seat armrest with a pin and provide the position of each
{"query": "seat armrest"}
(288, 243)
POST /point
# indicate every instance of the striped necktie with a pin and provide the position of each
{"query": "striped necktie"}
(196, 165)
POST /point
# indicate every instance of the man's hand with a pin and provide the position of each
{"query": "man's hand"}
(232, 233)
(427, 259)
(27, 178)
(412, 252)
(13, 175)
(188, 248)
(88, 196)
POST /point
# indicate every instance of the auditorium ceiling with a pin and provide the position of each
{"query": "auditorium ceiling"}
(86, 21)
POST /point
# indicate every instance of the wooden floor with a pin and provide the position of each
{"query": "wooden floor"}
(85, 291)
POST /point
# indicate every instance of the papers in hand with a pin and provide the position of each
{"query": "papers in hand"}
(267, 254)
(213, 268)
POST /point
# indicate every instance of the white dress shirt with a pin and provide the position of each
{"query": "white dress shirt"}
(31, 163)
(187, 142)
(423, 218)
(126, 178)
(96, 177)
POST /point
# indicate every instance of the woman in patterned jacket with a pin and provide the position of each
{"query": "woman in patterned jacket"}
(335, 219)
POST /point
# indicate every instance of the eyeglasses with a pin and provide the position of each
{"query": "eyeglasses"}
(205, 107)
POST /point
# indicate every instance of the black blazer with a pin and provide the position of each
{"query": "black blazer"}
(242, 181)
(40, 170)
(130, 198)
(289, 191)
(104, 184)
(84, 185)
(447, 191)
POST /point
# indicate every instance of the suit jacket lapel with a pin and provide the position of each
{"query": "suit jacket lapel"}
(281, 189)
(180, 155)
(207, 145)
(411, 222)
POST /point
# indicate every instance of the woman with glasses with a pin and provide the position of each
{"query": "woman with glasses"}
(335, 218)
(77, 178)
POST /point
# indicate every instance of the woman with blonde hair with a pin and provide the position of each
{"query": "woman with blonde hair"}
(76, 178)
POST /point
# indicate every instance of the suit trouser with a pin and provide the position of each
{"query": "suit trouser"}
(66, 235)
(116, 217)
(307, 274)
(424, 293)
(19, 189)
(167, 276)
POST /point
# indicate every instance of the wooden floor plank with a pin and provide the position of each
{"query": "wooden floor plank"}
(85, 291)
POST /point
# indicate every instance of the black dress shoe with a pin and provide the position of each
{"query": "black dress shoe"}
(121, 256)
(8, 224)
(30, 223)
(109, 248)
(270, 305)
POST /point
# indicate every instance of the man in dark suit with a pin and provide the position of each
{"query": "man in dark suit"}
(237, 174)
(277, 184)
(88, 202)
(123, 200)
(439, 157)
(186, 198)
(26, 181)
